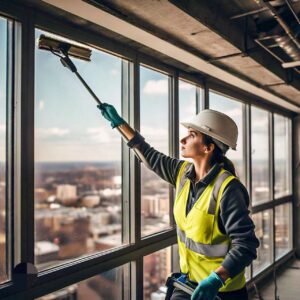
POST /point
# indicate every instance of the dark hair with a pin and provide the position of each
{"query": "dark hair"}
(219, 157)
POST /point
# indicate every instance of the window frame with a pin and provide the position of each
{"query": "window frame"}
(21, 146)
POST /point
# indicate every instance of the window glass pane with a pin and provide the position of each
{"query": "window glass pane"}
(263, 231)
(282, 157)
(283, 221)
(77, 159)
(110, 285)
(234, 110)
(154, 127)
(260, 155)
(3, 74)
(157, 267)
(187, 105)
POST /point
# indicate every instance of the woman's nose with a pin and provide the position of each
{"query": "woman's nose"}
(183, 141)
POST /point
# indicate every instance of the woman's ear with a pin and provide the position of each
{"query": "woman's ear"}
(210, 148)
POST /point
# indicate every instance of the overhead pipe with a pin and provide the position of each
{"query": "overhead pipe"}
(283, 24)
(290, 5)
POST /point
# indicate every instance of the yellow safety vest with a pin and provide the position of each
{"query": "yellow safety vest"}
(202, 246)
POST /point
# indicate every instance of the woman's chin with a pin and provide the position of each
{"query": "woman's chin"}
(183, 154)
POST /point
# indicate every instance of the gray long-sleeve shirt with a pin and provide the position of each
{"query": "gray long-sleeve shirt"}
(233, 219)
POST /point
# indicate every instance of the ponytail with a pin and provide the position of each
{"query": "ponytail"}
(219, 157)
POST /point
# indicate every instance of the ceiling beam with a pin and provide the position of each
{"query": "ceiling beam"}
(106, 20)
(209, 14)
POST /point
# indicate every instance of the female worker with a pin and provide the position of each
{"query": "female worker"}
(215, 233)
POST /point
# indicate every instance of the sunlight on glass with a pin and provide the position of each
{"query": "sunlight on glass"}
(260, 155)
(282, 156)
(154, 127)
(283, 233)
(263, 231)
(3, 76)
(78, 180)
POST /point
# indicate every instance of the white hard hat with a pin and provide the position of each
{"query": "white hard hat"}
(216, 125)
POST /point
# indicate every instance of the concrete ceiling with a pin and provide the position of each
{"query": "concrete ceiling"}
(191, 25)
(199, 29)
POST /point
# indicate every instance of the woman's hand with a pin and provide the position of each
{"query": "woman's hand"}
(109, 113)
(208, 288)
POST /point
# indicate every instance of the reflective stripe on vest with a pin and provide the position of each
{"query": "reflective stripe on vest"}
(215, 192)
(217, 250)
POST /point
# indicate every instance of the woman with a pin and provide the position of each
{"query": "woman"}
(215, 233)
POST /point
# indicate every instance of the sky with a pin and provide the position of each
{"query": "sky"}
(68, 125)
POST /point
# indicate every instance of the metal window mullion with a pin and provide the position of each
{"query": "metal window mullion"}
(248, 159)
(126, 90)
(137, 268)
(205, 96)
(9, 168)
(272, 180)
(173, 132)
(135, 184)
(199, 99)
(293, 173)
(126, 93)
(24, 142)
(248, 152)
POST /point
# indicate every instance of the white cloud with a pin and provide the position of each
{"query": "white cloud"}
(156, 87)
(188, 110)
(2, 128)
(114, 72)
(185, 86)
(152, 131)
(235, 112)
(41, 105)
(52, 132)
(100, 135)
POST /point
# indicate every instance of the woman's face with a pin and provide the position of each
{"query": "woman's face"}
(192, 145)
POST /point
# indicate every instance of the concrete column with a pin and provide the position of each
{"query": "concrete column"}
(296, 125)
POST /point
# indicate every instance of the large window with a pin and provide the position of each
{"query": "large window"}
(78, 207)
(283, 229)
(154, 122)
(282, 156)
(263, 231)
(85, 196)
(234, 110)
(157, 267)
(112, 285)
(3, 174)
(260, 155)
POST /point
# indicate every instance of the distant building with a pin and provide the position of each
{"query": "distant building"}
(155, 205)
(66, 193)
(40, 195)
(45, 251)
(90, 200)
(108, 242)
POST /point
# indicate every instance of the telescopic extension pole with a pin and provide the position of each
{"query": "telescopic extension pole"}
(63, 49)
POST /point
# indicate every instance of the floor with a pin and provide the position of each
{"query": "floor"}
(288, 285)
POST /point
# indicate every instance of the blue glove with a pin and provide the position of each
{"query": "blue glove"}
(208, 288)
(109, 113)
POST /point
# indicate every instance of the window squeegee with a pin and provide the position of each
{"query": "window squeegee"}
(64, 50)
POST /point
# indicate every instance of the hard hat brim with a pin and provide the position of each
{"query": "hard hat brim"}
(208, 132)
